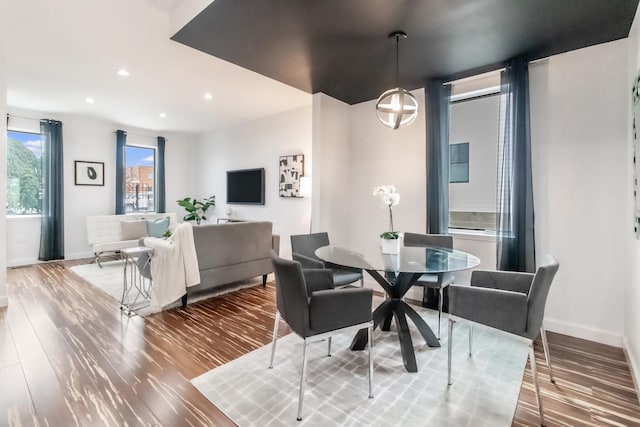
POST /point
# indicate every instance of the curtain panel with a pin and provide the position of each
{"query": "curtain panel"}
(515, 235)
(121, 141)
(161, 204)
(437, 99)
(52, 218)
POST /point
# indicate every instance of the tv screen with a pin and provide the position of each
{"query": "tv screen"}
(246, 186)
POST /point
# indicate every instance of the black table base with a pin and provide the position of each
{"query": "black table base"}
(395, 307)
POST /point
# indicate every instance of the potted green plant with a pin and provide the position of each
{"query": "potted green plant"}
(196, 208)
(390, 242)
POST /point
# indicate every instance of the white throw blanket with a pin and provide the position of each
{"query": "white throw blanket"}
(174, 265)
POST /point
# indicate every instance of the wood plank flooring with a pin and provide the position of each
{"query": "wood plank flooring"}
(69, 357)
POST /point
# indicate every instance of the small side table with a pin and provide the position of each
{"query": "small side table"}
(134, 280)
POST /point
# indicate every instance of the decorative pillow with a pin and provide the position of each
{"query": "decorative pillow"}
(132, 230)
(157, 227)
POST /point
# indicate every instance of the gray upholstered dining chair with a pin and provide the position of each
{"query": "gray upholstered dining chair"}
(314, 309)
(436, 281)
(509, 301)
(303, 247)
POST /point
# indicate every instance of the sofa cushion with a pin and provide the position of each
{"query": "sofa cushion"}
(219, 245)
(130, 230)
(157, 227)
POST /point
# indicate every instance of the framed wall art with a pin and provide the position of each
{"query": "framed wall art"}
(291, 170)
(89, 173)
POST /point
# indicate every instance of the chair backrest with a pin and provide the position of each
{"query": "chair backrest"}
(538, 294)
(440, 240)
(291, 294)
(306, 244)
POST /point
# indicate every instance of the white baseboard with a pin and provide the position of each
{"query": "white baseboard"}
(17, 262)
(634, 363)
(584, 332)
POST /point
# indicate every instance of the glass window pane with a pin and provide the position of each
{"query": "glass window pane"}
(139, 178)
(24, 173)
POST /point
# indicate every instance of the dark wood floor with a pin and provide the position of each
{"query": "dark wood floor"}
(69, 357)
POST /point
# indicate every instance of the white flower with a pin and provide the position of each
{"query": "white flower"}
(387, 194)
(390, 198)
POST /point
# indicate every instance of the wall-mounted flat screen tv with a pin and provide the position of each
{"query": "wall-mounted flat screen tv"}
(246, 186)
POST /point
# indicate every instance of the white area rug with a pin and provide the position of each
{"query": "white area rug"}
(484, 391)
(110, 279)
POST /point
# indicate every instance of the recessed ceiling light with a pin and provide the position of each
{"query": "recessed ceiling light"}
(89, 100)
(163, 115)
(208, 96)
(124, 73)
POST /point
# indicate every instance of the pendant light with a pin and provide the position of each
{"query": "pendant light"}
(397, 107)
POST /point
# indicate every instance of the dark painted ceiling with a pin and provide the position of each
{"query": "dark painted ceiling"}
(340, 47)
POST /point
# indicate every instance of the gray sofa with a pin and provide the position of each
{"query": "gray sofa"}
(231, 252)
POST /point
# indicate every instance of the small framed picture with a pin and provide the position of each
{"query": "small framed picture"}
(89, 173)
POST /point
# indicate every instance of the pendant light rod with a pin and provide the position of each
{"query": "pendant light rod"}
(398, 35)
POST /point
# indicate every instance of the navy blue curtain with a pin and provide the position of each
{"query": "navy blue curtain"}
(121, 141)
(437, 98)
(515, 217)
(52, 220)
(161, 204)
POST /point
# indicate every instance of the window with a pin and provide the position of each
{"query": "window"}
(139, 179)
(24, 173)
(459, 162)
(472, 191)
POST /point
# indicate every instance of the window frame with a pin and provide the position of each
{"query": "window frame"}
(155, 177)
(31, 215)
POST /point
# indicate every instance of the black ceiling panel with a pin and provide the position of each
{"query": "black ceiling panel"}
(340, 47)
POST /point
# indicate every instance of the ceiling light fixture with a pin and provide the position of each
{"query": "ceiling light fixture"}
(163, 115)
(208, 96)
(397, 107)
(123, 73)
(89, 100)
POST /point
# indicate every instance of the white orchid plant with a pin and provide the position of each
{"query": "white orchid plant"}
(389, 198)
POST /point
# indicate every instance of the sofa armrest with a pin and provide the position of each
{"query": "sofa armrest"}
(275, 243)
(307, 262)
(505, 280)
(504, 310)
(339, 308)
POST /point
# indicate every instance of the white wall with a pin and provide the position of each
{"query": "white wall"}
(331, 157)
(257, 144)
(3, 184)
(579, 119)
(632, 292)
(476, 121)
(93, 139)
(380, 156)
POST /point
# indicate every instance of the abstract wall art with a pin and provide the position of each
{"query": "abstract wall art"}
(291, 170)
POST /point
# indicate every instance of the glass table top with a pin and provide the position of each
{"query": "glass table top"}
(429, 259)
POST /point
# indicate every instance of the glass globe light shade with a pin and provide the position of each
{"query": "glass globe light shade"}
(397, 107)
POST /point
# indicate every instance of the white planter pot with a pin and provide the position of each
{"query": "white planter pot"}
(390, 246)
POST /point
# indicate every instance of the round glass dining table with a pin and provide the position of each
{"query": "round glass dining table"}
(397, 273)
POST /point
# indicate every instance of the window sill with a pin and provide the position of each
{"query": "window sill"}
(480, 235)
(24, 218)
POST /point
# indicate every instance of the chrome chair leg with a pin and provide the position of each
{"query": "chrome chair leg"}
(370, 361)
(545, 345)
(534, 374)
(274, 338)
(449, 346)
(470, 338)
(329, 348)
(303, 378)
(439, 309)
